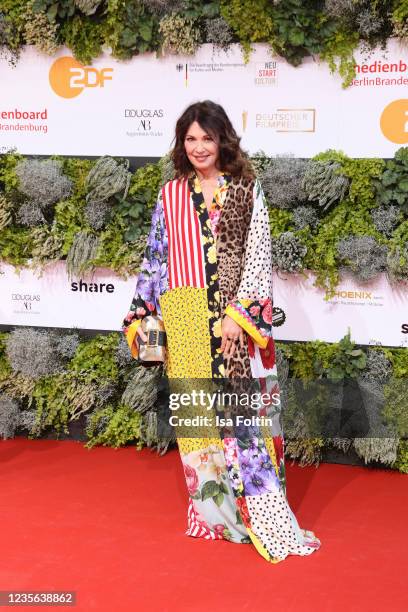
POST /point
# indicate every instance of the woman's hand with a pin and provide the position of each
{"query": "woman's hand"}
(231, 333)
(141, 333)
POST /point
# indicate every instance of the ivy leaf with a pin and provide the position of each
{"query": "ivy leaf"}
(143, 47)
(129, 38)
(210, 489)
(388, 178)
(134, 212)
(145, 31)
(131, 235)
(210, 10)
(242, 444)
(296, 37)
(223, 488)
(336, 374)
(362, 362)
(52, 12)
(219, 498)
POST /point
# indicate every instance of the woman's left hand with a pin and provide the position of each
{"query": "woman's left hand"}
(232, 334)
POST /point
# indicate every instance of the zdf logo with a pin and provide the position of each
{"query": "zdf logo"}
(394, 121)
(68, 77)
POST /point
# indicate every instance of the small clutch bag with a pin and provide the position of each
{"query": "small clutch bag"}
(154, 349)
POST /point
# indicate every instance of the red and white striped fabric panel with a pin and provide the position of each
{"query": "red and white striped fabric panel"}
(198, 529)
(185, 250)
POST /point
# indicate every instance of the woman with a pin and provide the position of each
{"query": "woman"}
(207, 272)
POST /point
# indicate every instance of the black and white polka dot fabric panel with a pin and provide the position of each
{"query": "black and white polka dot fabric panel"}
(274, 524)
(256, 280)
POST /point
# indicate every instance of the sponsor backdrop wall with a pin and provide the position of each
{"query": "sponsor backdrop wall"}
(58, 106)
(375, 313)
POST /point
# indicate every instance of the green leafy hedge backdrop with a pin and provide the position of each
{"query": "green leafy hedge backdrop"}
(328, 214)
(49, 378)
(330, 30)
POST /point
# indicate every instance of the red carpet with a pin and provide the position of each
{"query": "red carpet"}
(110, 525)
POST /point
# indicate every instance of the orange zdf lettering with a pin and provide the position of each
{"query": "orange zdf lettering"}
(68, 77)
(89, 77)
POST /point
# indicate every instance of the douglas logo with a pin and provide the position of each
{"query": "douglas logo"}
(25, 302)
(82, 286)
(19, 297)
(144, 112)
(144, 119)
(404, 328)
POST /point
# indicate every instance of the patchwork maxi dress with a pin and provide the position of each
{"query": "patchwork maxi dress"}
(198, 266)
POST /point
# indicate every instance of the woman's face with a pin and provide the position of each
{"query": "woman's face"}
(201, 149)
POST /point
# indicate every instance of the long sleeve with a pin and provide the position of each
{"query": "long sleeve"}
(251, 308)
(152, 278)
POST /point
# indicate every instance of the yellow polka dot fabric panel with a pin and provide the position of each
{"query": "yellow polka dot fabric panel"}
(194, 417)
(270, 448)
(188, 445)
(185, 318)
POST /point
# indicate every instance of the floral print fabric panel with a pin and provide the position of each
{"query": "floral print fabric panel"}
(212, 511)
(218, 200)
(152, 279)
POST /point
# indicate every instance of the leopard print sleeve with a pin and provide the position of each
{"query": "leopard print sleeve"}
(252, 306)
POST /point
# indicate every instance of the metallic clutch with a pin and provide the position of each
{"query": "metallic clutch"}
(154, 349)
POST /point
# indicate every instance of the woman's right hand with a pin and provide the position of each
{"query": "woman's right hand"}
(141, 333)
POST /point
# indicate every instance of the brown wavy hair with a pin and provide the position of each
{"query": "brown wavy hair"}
(213, 119)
